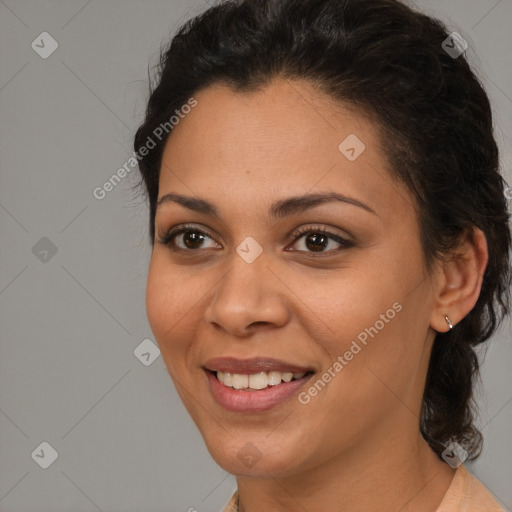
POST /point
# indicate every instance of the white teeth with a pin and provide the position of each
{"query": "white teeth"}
(274, 378)
(225, 377)
(287, 377)
(240, 381)
(256, 380)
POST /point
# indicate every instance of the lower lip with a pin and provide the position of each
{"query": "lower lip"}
(238, 400)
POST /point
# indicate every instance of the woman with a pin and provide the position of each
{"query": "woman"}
(330, 242)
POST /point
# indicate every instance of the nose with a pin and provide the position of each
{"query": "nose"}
(250, 297)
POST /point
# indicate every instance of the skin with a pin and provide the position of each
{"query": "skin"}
(356, 445)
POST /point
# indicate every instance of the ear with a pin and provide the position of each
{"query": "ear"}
(459, 280)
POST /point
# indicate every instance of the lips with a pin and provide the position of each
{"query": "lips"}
(253, 365)
(254, 401)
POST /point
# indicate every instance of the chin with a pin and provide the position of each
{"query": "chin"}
(244, 458)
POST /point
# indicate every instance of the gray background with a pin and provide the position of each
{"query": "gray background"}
(70, 321)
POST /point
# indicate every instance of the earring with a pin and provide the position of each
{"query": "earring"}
(448, 321)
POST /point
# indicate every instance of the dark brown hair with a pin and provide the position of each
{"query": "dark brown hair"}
(436, 128)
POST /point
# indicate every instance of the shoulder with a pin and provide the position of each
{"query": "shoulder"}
(467, 494)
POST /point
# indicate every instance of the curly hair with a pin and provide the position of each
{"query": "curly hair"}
(435, 126)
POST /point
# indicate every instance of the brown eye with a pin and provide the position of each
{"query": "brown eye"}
(318, 239)
(192, 238)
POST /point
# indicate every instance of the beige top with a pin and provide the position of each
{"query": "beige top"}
(465, 494)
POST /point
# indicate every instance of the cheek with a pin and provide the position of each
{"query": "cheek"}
(169, 309)
(371, 380)
(379, 370)
(376, 332)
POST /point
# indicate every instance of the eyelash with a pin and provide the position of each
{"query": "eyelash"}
(168, 238)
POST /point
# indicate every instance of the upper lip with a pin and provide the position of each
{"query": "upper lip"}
(252, 365)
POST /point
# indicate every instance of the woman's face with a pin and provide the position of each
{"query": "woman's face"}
(354, 310)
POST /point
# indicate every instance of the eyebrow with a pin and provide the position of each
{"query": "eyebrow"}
(278, 210)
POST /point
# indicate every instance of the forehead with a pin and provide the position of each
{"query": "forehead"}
(284, 139)
(283, 114)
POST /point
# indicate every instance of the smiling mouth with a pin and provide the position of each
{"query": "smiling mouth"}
(257, 381)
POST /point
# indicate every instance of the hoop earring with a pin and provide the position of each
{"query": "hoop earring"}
(448, 321)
